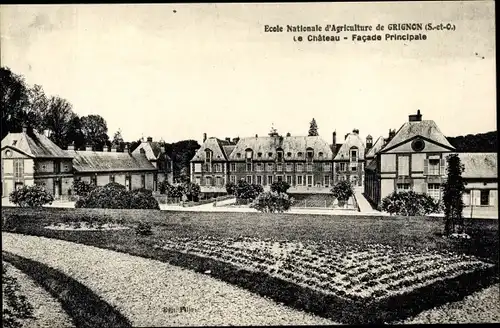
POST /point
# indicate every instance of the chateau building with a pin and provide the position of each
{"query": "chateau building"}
(415, 159)
(305, 162)
(349, 161)
(29, 157)
(157, 156)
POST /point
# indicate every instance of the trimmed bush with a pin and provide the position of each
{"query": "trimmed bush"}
(143, 229)
(271, 202)
(342, 191)
(82, 188)
(192, 191)
(114, 195)
(409, 203)
(31, 196)
(280, 186)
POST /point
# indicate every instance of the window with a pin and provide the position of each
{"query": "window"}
(269, 179)
(111, 178)
(403, 187)
(233, 167)
(259, 155)
(208, 155)
(320, 154)
(259, 179)
(249, 154)
(232, 178)
(299, 180)
(219, 181)
(270, 166)
(279, 167)
(327, 167)
(485, 197)
(434, 190)
(433, 168)
(310, 154)
(207, 167)
(289, 179)
(309, 167)
(198, 181)
(238, 155)
(288, 154)
(249, 178)
(280, 155)
(18, 168)
(259, 167)
(354, 167)
(197, 167)
(208, 181)
(353, 155)
(309, 180)
(270, 155)
(299, 154)
(143, 181)
(249, 167)
(327, 180)
(217, 167)
(300, 167)
(403, 166)
(342, 167)
(289, 167)
(280, 178)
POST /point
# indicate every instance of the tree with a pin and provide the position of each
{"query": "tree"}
(342, 191)
(95, 130)
(118, 139)
(481, 142)
(82, 188)
(38, 104)
(13, 102)
(57, 119)
(75, 134)
(181, 154)
(453, 190)
(246, 192)
(313, 128)
(272, 201)
(31, 196)
(280, 186)
(192, 191)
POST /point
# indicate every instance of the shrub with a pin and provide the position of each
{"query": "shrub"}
(143, 199)
(231, 188)
(342, 191)
(192, 191)
(143, 229)
(453, 190)
(175, 191)
(31, 196)
(271, 202)
(245, 192)
(409, 203)
(82, 188)
(114, 195)
(280, 186)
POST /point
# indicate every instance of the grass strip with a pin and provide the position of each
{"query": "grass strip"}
(84, 307)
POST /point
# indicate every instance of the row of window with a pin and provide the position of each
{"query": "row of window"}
(435, 189)
(299, 180)
(432, 166)
(279, 154)
(260, 167)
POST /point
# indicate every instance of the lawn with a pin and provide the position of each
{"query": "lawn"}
(352, 269)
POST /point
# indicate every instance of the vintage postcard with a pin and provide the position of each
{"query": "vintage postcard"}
(249, 164)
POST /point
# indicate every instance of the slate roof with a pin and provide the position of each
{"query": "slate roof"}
(425, 128)
(352, 140)
(479, 165)
(152, 150)
(377, 146)
(292, 144)
(34, 144)
(96, 161)
(216, 146)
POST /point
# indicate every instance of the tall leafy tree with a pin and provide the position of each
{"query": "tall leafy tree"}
(57, 119)
(453, 190)
(14, 99)
(313, 128)
(117, 138)
(75, 134)
(36, 108)
(181, 154)
(95, 130)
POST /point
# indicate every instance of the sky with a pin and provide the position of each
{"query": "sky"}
(176, 71)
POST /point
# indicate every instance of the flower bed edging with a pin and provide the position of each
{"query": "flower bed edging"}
(82, 304)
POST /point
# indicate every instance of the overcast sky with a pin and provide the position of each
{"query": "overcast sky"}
(176, 71)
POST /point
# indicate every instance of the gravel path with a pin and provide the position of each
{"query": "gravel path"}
(47, 311)
(152, 293)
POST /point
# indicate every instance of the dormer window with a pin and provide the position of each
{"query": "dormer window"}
(14, 142)
(249, 154)
(270, 154)
(259, 155)
(310, 154)
(320, 154)
(289, 154)
(353, 154)
(238, 155)
(208, 155)
(280, 155)
(299, 154)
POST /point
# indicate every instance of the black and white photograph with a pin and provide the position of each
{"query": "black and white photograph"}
(249, 164)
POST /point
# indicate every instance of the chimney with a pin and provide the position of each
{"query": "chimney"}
(228, 139)
(204, 137)
(126, 149)
(355, 131)
(71, 147)
(256, 136)
(369, 142)
(88, 147)
(235, 140)
(149, 139)
(334, 138)
(392, 133)
(346, 136)
(415, 118)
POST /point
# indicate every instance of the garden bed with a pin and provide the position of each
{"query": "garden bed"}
(373, 284)
(85, 226)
